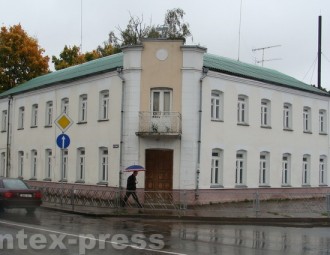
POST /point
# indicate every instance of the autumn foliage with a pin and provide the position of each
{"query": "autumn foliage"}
(21, 58)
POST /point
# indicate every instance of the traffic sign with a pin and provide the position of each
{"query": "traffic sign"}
(63, 141)
(63, 122)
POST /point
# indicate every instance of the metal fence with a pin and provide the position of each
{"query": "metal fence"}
(239, 204)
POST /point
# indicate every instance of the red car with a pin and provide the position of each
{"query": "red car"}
(15, 193)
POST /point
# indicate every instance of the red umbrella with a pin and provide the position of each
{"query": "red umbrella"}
(133, 168)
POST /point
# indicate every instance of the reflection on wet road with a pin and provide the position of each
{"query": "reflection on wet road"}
(51, 232)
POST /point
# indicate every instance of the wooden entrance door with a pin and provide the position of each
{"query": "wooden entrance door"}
(159, 174)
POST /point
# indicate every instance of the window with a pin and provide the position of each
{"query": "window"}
(264, 169)
(322, 122)
(83, 108)
(65, 162)
(34, 116)
(240, 168)
(216, 105)
(104, 164)
(306, 170)
(65, 105)
(286, 169)
(265, 113)
(49, 164)
(2, 164)
(21, 117)
(242, 110)
(161, 101)
(81, 165)
(216, 168)
(49, 114)
(323, 170)
(4, 119)
(20, 163)
(104, 105)
(307, 118)
(34, 155)
(287, 116)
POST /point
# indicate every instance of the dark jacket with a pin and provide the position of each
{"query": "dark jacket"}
(131, 182)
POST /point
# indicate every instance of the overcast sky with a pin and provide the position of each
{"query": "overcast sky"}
(292, 24)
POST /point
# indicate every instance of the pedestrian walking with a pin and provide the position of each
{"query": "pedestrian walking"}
(131, 188)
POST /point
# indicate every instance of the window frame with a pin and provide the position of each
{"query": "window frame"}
(34, 115)
(103, 165)
(242, 110)
(216, 105)
(286, 170)
(48, 164)
(21, 115)
(83, 104)
(241, 168)
(81, 164)
(49, 114)
(4, 121)
(265, 113)
(104, 100)
(323, 165)
(264, 169)
(287, 116)
(307, 119)
(34, 164)
(323, 125)
(20, 163)
(216, 174)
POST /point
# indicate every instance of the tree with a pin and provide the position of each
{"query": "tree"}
(68, 57)
(21, 58)
(176, 27)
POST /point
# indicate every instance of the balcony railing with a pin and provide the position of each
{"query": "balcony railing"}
(159, 123)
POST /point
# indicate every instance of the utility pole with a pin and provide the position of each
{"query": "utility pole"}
(263, 54)
(319, 52)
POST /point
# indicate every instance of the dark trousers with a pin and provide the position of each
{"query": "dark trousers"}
(128, 193)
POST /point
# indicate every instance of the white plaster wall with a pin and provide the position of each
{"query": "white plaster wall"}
(230, 137)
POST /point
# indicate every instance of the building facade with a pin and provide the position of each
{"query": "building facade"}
(196, 121)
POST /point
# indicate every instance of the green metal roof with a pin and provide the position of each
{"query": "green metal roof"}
(213, 62)
(100, 65)
(254, 72)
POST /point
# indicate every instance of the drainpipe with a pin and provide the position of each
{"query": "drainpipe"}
(10, 98)
(204, 74)
(120, 75)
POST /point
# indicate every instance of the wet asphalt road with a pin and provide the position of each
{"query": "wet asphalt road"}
(52, 232)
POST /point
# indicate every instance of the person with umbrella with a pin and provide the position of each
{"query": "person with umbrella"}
(131, 188)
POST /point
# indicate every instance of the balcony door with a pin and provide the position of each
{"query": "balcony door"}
(161, 106)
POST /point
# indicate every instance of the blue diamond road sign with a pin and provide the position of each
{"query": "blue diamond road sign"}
(63, 141)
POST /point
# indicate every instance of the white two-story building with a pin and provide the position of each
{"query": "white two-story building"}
(196, 121)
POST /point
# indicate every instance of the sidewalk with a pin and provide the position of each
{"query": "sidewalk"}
(230, 215)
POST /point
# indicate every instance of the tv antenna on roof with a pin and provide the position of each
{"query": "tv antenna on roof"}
(263, 54)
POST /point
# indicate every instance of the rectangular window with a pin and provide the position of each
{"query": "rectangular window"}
(65, 105)
(34, 164)
(242, 110)
(323, 171)
(265, 113)
(20, 163)
(307, 120)
(81, 165)
(322, 122)
(216, 105)
(83, 108)
(34, 116)
(104, 105)
(263, 169)
(104, 165)
(21, 118)
(2, 164)
(287, 116)
(65, 163)
(286, 170)
(306, 170)
(240, 168)
(4, 119)
(49, 114)
(49, 164)
(161, 101)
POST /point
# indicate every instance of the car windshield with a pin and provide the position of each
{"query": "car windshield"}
(14, 184)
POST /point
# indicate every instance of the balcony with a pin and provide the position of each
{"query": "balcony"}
(159, 124)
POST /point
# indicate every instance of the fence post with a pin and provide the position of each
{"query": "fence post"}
(72, 198)
(257, 203)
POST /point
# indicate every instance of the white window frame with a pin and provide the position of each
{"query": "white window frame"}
(265, 113)
(21, 111)
(104, 164)
(65, 105)
(104, 105)
(48, 164)
(264, 169)
(34, 115)
(323, 125)
(83, 108)
(216, 168)
(162, 106)
(306, 170)
(4, 120)
(286, 169)
(34, 164)
(3, 164)
(287, 116)
(81, 164)
(64, 164)
(323, 170)
(307, 119)
(216, 105)
(20, 163)
(49, 114)
(242, 110)
(240, 173)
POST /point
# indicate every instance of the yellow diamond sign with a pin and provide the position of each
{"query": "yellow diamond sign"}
(63, 122)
